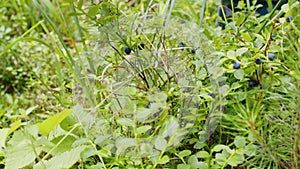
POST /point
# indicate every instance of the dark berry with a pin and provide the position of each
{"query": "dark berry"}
(180, 44)
(253, 83)
(141, 46)
(236, 65)
(212, 95)
(289, 18)
(149, 132)
(193, 51)
(127, 50)
(147, 106)
(258, 61)
(271, 56)
(273, 35)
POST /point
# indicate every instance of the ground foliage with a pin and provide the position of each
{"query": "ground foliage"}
(148, 84)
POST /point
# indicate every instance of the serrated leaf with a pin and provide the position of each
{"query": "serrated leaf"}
(64, 160)
(50, 123)
(22, 150)
(165, 159)
(239, 141)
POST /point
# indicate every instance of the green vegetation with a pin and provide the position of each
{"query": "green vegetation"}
(148, 84)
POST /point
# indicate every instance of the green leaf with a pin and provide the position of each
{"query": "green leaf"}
(160, 143)
(165, 159)
(231, 54)
(202, 154)
(236, 159)
(64, 160)
(193, 161)
(93, 11)
(250, 150)
(29, 110)
(239, 74)
(125, 122)
(220, 158)
(240, 19)
(202, 165)
(239, 141)
(143, 129)
(49, 124)
(219, 147)
(184, 153)
(22, 149)
(158, 97)
(183, 166)
(14, 126)
(246, 36)
(241, 51)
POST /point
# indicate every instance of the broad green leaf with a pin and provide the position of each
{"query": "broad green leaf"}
(160, 143)
(165, 159)
(3, 135)
(64, 160)
(125, 122)
(239, 141)
(22, 149)
(49, 124)
(184, 153)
